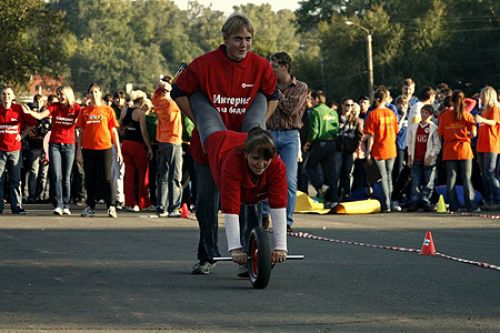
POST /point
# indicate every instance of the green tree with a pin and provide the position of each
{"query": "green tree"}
(32, 34)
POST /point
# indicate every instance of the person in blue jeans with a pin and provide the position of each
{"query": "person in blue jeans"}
(284, 125)
(424, 146)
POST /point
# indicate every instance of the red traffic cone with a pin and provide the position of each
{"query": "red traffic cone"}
(184, 211)
(428, 248)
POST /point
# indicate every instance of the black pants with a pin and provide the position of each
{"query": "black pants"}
(98, 175)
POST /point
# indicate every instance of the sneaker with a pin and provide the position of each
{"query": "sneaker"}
(119, 205)
(330, 205)
(20, 211)
(243, 271)
(162, 213)
(66, 211)
(57, 211)
(427, 207)
(395, 207)
(134, 209)
(474, 210)
(174, 214)
(112, 212)
(87, 212)
(289, 228)
(206, 268)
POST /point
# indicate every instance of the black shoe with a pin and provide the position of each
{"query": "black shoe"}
(428, 207)
(289, 228)
(411, 208)
(20, 211)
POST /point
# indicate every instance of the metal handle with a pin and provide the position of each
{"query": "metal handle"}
(288, 257)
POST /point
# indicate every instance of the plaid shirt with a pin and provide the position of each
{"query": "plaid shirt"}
(291, 107)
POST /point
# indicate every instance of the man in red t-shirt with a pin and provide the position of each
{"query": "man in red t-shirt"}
(233, 82)
(12, 121)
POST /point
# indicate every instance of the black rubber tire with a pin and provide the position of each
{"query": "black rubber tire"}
(259, 264)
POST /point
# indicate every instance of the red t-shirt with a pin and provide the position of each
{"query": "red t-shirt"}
(12, 121)
(230, 87)
(422, 136)
(233, 177)
(63, 122)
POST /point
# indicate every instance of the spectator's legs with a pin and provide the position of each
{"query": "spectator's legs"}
(174, 178)
(466, 174)
(451, 180)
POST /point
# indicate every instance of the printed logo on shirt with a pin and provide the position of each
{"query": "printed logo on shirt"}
(14, 119)
(247, 85)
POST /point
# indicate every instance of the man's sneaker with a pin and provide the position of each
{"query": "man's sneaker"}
(112, 212)
(204, 268)
(174, 214)
(289, 228)
(20, 211)
(57, 211)
(427, 207)
(66, 211)
(135, 209)
(162, 213)
(243, 271)
(395, 207)
(119, 205)
(87, 212)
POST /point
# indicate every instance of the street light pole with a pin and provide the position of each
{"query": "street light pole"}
(369, 55)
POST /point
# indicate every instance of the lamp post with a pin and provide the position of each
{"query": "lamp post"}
(370, 54)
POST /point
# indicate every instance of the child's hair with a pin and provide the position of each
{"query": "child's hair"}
(428, 108)
(260, 142)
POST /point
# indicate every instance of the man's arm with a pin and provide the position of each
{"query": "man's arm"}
(185, 107)
(271, 107)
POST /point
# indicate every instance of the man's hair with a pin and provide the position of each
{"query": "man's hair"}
(167, 78)
(235, 23)
(261, 142)
(408, 82)
(426, 93)
(282, 58)
(119, 94)
(319, 94)
(346, 98)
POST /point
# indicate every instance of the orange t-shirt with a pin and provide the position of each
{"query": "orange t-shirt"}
(455, 133)
(97, 123)
(488, 137)
(169, 127)
(382, 124)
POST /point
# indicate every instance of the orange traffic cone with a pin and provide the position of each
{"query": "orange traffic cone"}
(428, 248)
(184, 211)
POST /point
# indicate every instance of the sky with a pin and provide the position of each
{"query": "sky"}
(227, 5)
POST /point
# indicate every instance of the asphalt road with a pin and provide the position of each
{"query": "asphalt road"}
(73, 274)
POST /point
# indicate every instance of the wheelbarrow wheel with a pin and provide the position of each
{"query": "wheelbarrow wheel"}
(259, 251)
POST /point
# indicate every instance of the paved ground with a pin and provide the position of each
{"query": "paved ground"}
(70, 274)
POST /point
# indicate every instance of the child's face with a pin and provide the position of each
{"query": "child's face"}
(424, 114)
(256, 163)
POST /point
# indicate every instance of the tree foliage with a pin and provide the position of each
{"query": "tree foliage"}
(115, 42)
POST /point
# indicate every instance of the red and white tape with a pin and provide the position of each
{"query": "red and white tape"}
(481, 215)
(306, 235)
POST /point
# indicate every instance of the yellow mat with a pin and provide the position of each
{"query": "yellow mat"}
(358, 207)
(305, 204)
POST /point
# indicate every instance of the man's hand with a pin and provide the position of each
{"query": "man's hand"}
(307, 146)
(278, 256)
(239, 256)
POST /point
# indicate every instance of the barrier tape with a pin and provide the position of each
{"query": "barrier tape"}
(306, 235)
(481, 215)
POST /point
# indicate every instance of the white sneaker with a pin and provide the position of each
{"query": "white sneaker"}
(112, 212)
(66, 211)
(57, 211)
(87, 212)
(134, 209)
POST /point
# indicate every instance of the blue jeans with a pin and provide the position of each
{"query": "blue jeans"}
(324, 153)
(11, 161)
(422, 182)
(385, 167)
(207, 207)
(488, 165)
(169, 177)
(62, 156)
(465, 168)
(287, 146)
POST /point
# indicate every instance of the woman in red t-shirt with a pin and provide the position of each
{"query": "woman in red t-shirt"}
(381, 127)
(457, 127)
(488, 146)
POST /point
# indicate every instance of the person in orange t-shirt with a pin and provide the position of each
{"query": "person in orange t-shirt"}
(381, 127)
(97, 123)
(169, 136)
(488, 146)
(457, 127)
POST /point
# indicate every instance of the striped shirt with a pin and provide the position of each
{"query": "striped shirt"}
(291, 107)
